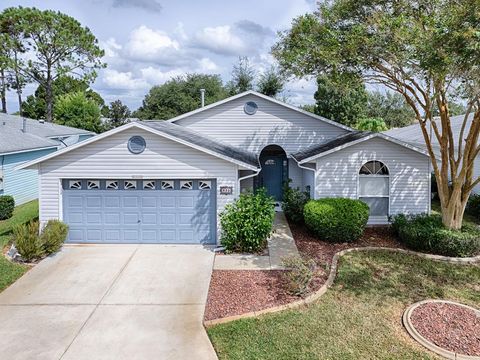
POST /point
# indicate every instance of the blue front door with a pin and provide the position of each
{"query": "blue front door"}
(271, 176)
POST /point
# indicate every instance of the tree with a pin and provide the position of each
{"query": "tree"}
(180, 95)
(77, 111)
(454, 109)
(117, 113)
(13, 47)
(371, 124)
(243, 77)
(271, 82)
(341, 97)
(428, 51)
(35, 106)
(391, 107)
(56, 45)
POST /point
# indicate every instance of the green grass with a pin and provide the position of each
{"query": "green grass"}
(9, 272)
(21, 215)
(358, 318)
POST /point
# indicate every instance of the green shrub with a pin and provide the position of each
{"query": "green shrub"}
(299, 275)
(473, 206)
(53, 236)
(293, 203)
(27, 241)
(247, 223)
(426, 233)
(336, 219)
(7, 204)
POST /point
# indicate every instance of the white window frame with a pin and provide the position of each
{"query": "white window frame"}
(370, 176)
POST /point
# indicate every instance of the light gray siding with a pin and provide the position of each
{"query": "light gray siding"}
(272, 124)
(337, 174)
(296, 174)
(109, 158)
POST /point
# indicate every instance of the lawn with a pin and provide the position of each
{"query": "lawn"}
(9, 272)
(358, 318)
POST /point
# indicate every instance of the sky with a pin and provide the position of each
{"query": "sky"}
(146, 42)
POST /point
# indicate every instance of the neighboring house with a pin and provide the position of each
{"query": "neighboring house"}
(23, 140)
(413, 135)
(168, 181)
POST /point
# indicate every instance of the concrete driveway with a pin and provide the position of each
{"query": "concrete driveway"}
(110, 302)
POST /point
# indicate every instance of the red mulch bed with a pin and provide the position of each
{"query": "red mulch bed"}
(235, 292)
(449, 326)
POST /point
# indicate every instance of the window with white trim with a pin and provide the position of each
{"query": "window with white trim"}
(111, 185)
(93, 184)
(167, 185)
(204, 184)
(129, 185)
(75, 184)
(374, 187)
(186, 185)
(149, 185)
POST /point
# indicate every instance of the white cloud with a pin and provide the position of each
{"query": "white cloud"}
(111, 47)
(244, 38)
(122, 80)
(155, 76)
(151, 45)
(207, 65)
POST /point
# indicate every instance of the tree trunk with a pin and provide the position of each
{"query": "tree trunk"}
(3, 91)
(49, 100)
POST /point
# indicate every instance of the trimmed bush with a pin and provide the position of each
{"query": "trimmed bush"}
(27, 241)
(293, 203)
(426, 233)
(336, 219)
(7, 205)
(247, 223)
(53, 236)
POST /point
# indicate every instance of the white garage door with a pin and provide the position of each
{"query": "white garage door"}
(140, 211)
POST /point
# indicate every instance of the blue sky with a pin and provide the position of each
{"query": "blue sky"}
(149, 41)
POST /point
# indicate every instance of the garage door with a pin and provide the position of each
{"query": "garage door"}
(140, 211)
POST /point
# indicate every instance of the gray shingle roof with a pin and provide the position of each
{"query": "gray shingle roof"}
(203, 141)
(37, 135)
(329, 145)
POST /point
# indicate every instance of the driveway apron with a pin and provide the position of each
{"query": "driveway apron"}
(110, 302)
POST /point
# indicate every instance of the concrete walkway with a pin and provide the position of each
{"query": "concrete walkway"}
(110, 302)
(280, 245)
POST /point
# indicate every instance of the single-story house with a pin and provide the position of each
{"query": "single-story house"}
(22, 140)
(168, 181)
(413, 135)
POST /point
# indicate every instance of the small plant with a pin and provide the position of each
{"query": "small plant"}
(336, 219)
(293, 202)
(247, 223)
(7, 205)
(27, 241)
(53, 236)
(299, 274)
(427, 233)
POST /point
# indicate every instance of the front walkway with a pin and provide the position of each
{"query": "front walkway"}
(110, 302)
(280, 245)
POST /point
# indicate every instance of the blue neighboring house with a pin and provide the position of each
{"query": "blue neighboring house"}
(22, 140)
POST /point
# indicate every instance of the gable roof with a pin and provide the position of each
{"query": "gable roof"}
(173, 132)
(265, 97)
(38, 135)
(343, 141)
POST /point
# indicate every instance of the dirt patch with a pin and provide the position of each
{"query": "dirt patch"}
(449, 326)
(234, 292)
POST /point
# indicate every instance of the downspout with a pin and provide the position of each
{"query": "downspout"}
(308, 168)
(256, 172)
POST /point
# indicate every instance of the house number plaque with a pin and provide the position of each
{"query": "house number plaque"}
(226, 190)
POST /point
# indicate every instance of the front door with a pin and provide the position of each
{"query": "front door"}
(271, 176)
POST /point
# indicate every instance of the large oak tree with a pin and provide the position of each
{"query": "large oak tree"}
(426, 50)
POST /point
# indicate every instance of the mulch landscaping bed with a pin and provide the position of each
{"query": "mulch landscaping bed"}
(449, 326)
(235, 292)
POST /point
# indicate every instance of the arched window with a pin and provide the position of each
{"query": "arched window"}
(374, 187)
